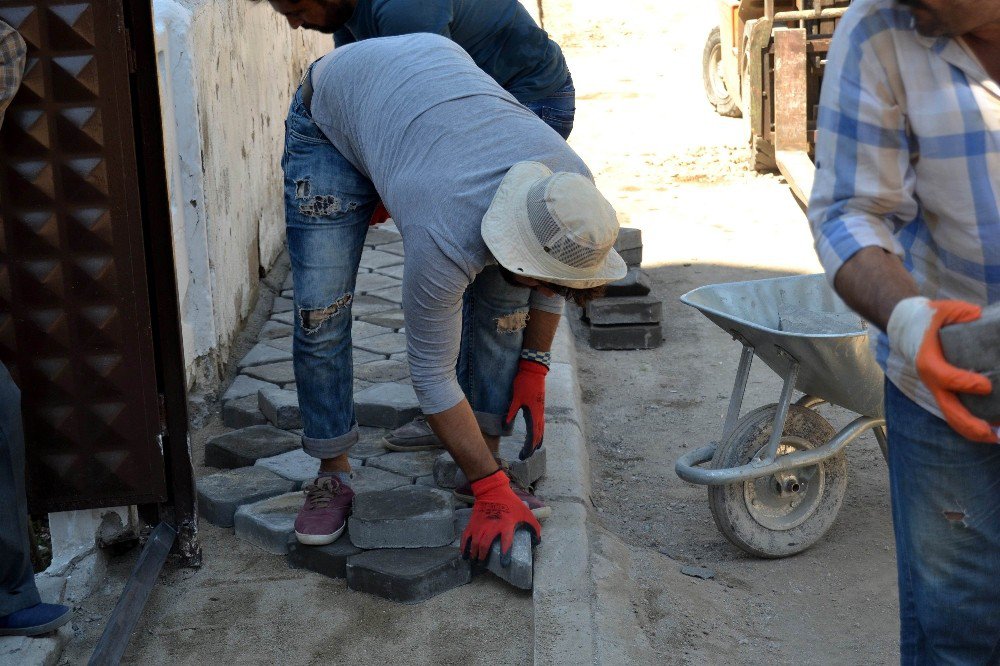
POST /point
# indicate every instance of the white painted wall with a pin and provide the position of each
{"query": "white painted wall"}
(227, 71)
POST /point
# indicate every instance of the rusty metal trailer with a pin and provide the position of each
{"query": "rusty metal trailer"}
(765, 62)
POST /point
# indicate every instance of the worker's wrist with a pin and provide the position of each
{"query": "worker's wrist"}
(542, 357)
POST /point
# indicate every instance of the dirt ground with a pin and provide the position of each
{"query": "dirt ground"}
(676, 170)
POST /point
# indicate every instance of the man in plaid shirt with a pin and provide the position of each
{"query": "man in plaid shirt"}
(21, 610)
(906, 217)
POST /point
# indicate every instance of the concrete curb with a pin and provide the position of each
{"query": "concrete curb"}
(563, 593)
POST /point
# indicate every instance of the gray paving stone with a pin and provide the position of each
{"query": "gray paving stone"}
(426, 481)
(447, 473)
(261, 354)
(272, 329)
(289, 282)
(371, 282)
(407, 575)
(529, 471)
(369, 305)
(633, 257)
(243, 447)
(242, 412)
(387, 405)
(287, 293)
(635, 283)
(625, 310)
(282, 304)
(360, 356)
(377, 236)
(329, 560)
(462, 518)
(629, 238)
(395, 248)
(628, 336)
(267, 524)
(375, 259)
(394, 294)
(387, 344)
(287, 318)
(295, 465)
(362, 329)
(219, 495)
(408, 517)
(280, 407)
(383, 370)
(520, 571)
(371, 479)
(370, 444)
(392, 271)
(243, 386)
(283, 343)
(408, 463)
(389, 319)
(360, 386)
(275, 373)
(976, 346)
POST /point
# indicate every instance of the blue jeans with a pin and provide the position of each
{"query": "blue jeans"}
(558, 109)
(17, 580)
(328, 204)
(946, 518)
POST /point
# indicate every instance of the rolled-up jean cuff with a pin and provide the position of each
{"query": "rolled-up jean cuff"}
(330, 448)
(492, 424)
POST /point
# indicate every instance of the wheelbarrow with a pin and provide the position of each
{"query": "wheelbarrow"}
(778, 475)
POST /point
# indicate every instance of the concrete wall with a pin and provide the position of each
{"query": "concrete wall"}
(227, 70)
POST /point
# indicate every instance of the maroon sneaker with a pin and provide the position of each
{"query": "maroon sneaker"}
(541, 510)
(323, 516)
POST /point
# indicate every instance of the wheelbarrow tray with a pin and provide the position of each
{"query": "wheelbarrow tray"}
(800, 318)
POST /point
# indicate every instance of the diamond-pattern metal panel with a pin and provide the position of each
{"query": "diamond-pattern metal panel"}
(74, 303)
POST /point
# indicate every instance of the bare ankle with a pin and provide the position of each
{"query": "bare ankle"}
(338, 464)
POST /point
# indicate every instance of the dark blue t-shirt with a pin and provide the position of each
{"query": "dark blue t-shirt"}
(500, 35)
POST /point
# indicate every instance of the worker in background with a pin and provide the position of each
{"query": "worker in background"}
(506, 43)
(499, 218)
(21, 611)
(906, 215)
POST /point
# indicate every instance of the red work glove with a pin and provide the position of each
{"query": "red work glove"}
(529, 395)
(380, 215)
(913, 331)
(496, 513)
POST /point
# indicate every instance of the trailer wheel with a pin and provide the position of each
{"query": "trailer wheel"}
(715, 84)
(778, 515)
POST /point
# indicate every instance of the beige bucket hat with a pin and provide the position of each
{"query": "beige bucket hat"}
(554, 227)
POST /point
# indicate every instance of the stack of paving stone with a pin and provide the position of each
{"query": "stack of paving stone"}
(627, 317)
(401, 541)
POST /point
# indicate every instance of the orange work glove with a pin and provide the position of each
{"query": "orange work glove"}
(380, 215)
(529, 395)
(496, 513)
(913, 331)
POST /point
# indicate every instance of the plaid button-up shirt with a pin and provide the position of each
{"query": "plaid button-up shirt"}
(12, 51)
(908, 159)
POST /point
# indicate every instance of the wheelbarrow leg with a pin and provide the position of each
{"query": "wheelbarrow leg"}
(778, 428)
(739, 390)
(883, 441)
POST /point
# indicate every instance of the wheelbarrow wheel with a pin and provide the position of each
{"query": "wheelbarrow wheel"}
(781, 514)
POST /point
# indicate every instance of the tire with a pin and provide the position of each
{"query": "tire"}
(715, 85)
(754, 515)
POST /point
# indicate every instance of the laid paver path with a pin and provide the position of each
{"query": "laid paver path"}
(406, 524)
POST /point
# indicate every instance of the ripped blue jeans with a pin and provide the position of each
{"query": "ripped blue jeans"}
(946, 518)
(328, 204)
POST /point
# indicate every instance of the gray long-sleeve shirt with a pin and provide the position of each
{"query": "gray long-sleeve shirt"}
(436, 136)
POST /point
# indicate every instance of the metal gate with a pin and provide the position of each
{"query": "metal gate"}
(78, 300)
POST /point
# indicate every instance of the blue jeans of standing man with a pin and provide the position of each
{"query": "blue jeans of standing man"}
(946, 518)
(17, 580)
(328, 204)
